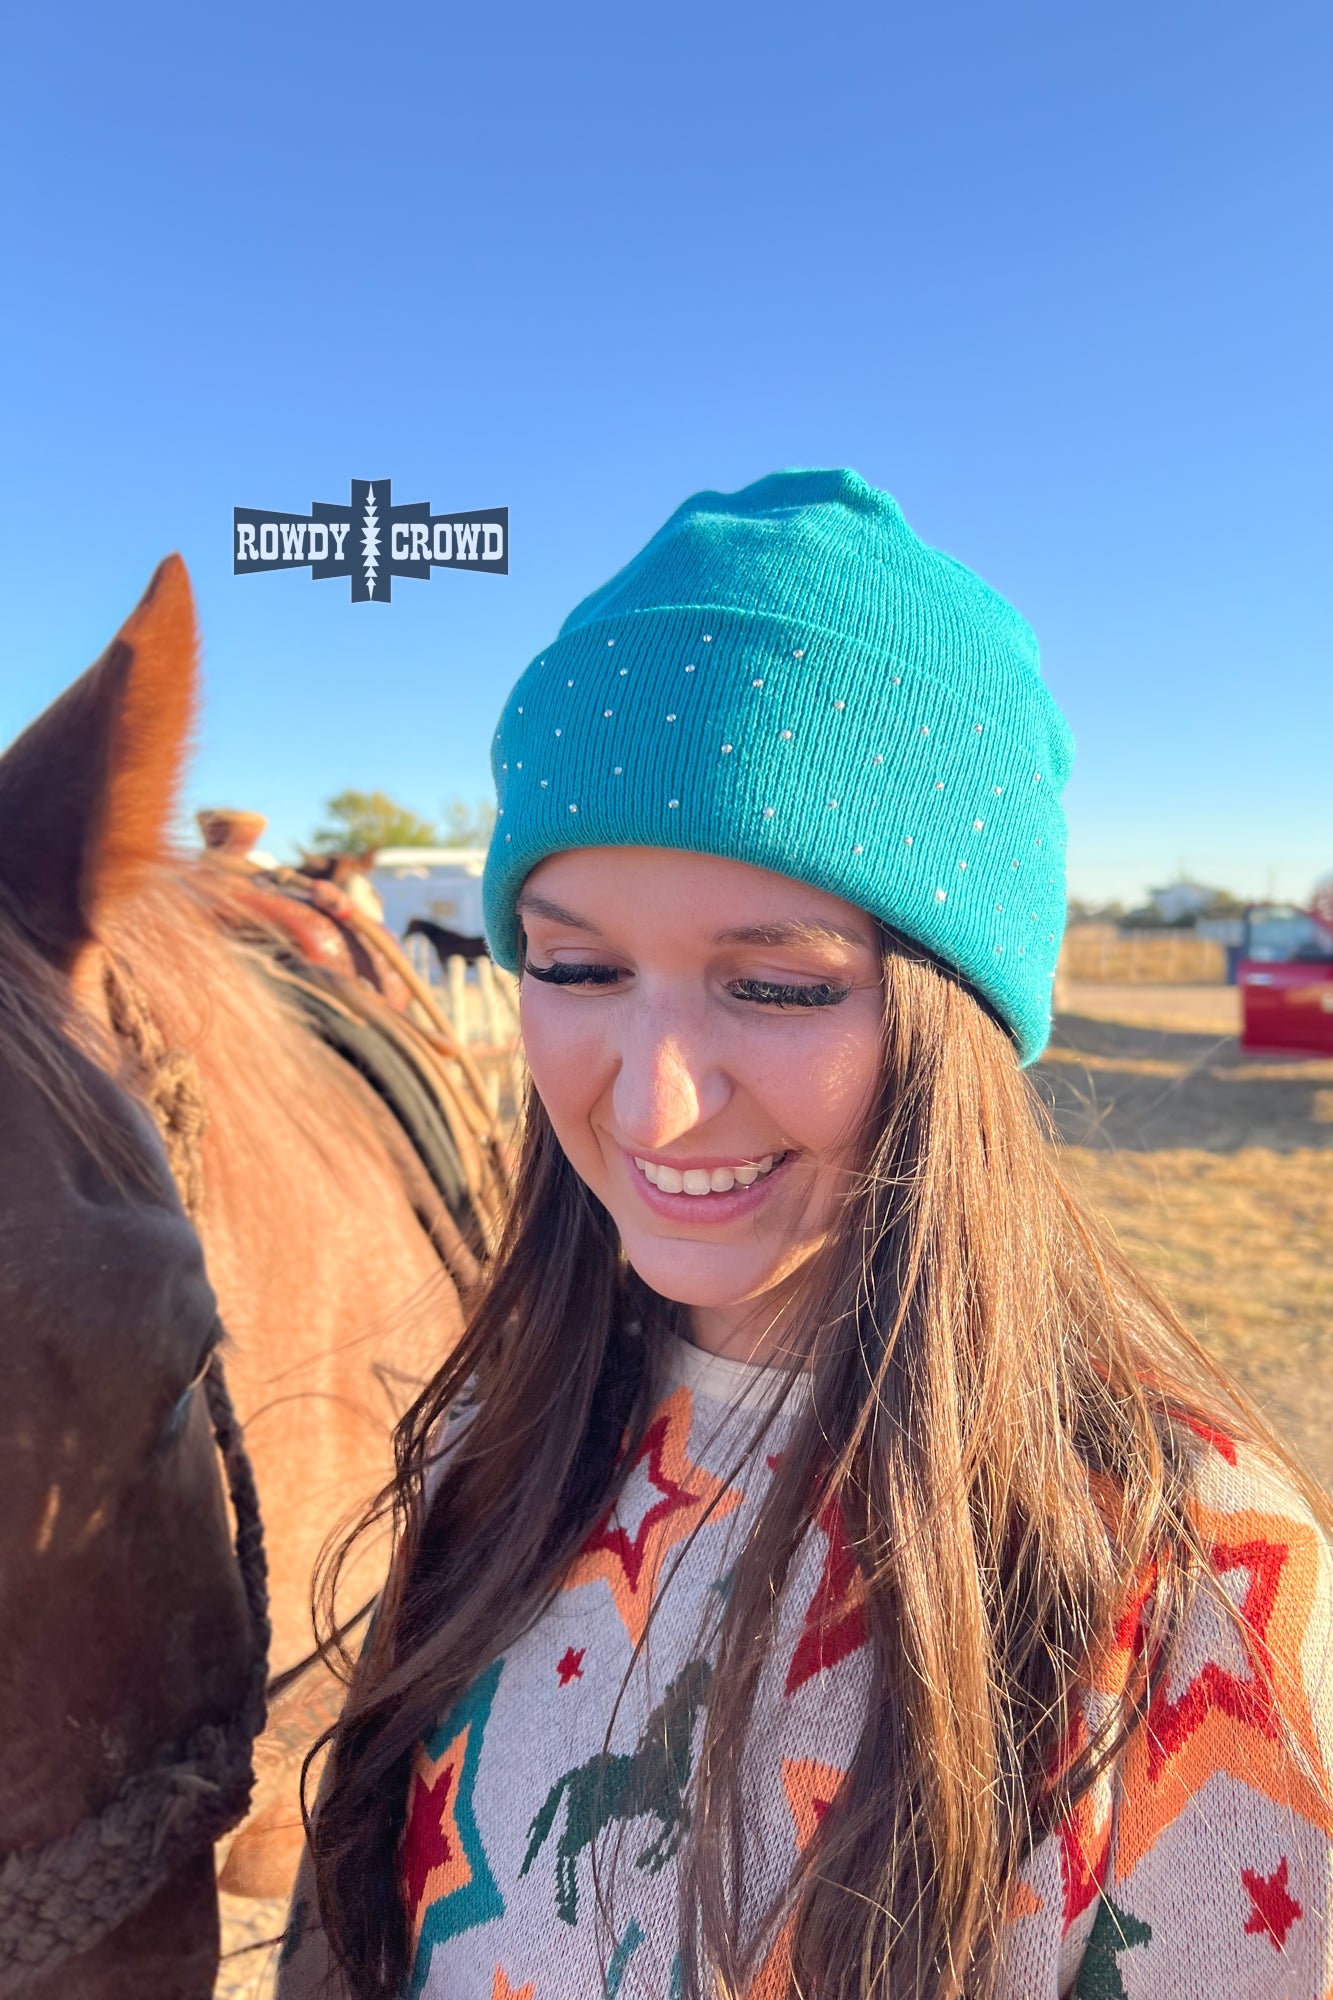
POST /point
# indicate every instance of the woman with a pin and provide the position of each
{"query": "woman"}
(825, 1568)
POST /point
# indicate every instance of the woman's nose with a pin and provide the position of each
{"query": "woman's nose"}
(665, 1087)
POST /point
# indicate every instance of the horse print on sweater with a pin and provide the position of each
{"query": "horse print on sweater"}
(652, 1778)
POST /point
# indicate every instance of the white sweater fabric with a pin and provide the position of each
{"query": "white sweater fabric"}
(1201, 1866)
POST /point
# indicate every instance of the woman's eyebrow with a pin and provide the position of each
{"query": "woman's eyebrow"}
(795, 932)
(541, 906)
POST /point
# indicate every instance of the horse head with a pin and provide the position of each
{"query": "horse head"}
(129, 1642)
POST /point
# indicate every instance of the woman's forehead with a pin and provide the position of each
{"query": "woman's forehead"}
(606, 888)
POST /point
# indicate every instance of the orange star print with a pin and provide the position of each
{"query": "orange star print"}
(1219, 1720)
(632, 1563)
(502, 1990)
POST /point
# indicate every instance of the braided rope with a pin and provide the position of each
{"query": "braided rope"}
(65, 1897)
(170, 1084)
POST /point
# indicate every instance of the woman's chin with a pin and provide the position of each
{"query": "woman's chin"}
(710, 1279)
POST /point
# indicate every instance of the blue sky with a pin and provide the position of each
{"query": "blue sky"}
(1059, 278)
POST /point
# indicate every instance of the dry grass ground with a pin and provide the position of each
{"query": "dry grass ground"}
(1199, 1010)
(1216, 1171)
(1239, 1242)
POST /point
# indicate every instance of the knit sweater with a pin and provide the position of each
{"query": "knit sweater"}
(1199, 1866)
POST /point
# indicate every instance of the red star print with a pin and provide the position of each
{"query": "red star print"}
(1249, 1702)
(1274, 1911)
(426, 1846)
(1223, 1720)
(570, 1666)
(1084, 1834)
(631, 1549)
(1218, 1439)
(835, 1620)
(630, 1563)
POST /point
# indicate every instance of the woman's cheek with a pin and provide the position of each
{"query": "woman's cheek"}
(565, 1053)
(820, 1089)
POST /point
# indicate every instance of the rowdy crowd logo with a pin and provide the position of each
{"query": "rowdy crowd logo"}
(372, 541)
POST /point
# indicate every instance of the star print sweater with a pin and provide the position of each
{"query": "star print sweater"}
(1199, 1866)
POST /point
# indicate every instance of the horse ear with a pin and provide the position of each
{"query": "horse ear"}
(87, 791)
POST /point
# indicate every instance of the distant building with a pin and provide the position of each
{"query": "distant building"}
(442, 884)
(1181, 900)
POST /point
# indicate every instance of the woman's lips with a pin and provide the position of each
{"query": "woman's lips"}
(717, 1206)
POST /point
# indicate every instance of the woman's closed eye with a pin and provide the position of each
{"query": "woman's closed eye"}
(565, 973)
(759, 992)
(775, 993)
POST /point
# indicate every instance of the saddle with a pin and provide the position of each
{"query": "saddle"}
(324, 921)
(338, 966)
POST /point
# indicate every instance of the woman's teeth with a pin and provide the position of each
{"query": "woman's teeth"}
(705, 1180)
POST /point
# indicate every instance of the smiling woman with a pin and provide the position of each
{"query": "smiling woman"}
(703, 1028)
(825, 1567)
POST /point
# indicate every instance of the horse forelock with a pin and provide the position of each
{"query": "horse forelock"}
(47, 1043)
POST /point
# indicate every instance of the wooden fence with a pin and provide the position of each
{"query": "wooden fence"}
(1166, 958)
(481, 1001)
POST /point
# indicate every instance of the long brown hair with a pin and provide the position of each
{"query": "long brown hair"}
(986, 1367)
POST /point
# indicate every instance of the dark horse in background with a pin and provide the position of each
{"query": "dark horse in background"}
(447, 944)
(324, 1261)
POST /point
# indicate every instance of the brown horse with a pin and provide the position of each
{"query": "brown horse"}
(335, 1267)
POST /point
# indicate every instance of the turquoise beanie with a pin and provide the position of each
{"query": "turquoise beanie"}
(788, 676)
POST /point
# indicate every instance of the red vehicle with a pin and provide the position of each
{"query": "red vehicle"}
(1285, 977)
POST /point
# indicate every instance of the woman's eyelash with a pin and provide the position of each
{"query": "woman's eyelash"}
(765, 992)
(564, 974)
(759, 992)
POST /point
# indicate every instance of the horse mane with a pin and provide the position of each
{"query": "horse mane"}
(262, 1069)
(50, 1043)
(207, 992)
